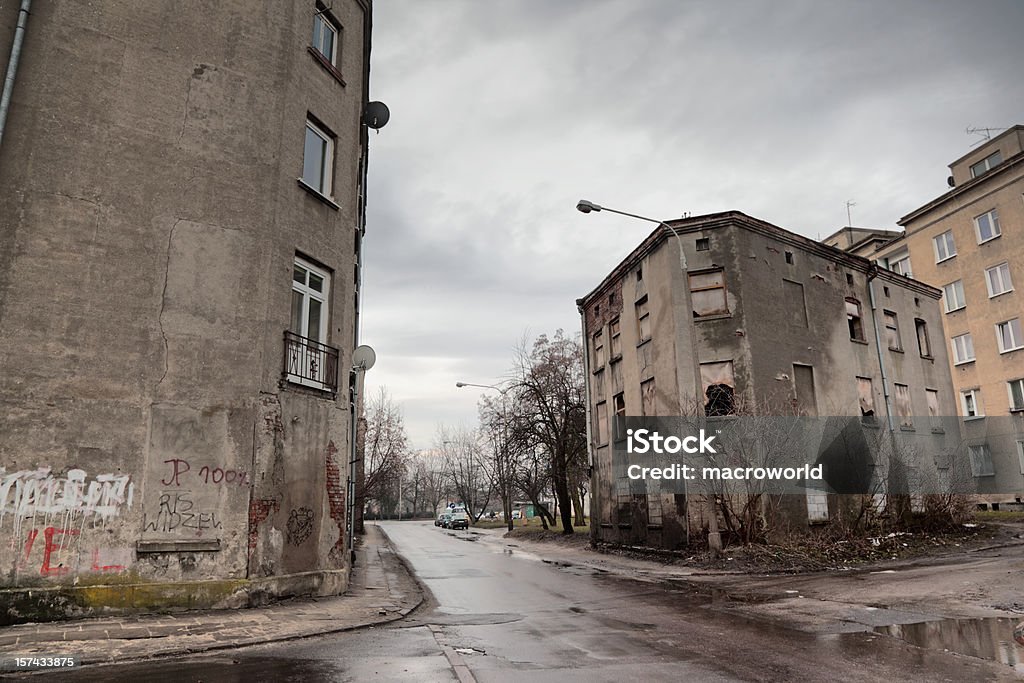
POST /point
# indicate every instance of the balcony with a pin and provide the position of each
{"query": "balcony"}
(310, 363)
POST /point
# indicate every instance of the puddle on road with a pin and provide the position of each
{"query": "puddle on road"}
(991, 638)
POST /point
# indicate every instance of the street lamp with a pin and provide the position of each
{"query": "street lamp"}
(503, 472)
(587, 206)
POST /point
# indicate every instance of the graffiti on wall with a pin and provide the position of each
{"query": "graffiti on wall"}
(177, 511)
(177, 468)
(48, 514)
(300, 525)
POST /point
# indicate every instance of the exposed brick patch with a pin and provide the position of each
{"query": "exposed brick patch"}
(335, 494)
(259, 510)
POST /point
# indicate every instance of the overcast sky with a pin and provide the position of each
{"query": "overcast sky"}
(504, 113)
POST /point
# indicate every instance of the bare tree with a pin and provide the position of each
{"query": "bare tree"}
(465, 468)
(550, 373)
(384, 452)
(503, 457)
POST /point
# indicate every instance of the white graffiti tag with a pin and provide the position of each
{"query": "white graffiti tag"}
(37, 492)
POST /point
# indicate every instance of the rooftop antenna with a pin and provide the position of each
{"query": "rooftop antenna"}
(849, 203)
(985, 133)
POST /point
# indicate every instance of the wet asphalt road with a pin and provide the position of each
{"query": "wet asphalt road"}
(496, 614)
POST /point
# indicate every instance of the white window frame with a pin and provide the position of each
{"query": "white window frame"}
(992, 218)
(321, 22)
(979, 410)
(948, 246)
(987, 163)
(1020, 454)
(309, 294)
(968, 348)
(1000, 271)
(957, 288)
(323, 186)
(1016, 337)
(1019, 383)
(901, 265)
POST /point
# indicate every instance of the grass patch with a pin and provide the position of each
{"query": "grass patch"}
(490, 524)
(999, 516)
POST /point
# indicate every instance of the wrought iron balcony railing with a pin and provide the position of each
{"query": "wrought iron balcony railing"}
(310, 363)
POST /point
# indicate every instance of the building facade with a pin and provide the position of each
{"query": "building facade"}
(182, 210)
(969, 242)
(766, 318)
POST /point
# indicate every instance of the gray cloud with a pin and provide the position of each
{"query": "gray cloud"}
(505, 114)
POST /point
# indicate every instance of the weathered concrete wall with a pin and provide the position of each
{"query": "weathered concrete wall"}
(768, 329)
(150, 220)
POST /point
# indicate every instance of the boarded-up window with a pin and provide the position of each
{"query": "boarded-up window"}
(892, 331)
(599, 394)
(932, 395)
(707, 290)
(803, 386)
(601, 424)
(643, 320)
(719, 387)
(613, 330)
(647, 398)
(866, 397)
(616, 369)
(793, 299)
(903, 407)
(853, 319)
(981, 461)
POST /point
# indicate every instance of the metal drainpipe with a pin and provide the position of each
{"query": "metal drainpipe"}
(594, 506)
(872, 274)
(12, 64)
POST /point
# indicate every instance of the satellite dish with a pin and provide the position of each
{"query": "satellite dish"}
(950, 181)
(376, 115)
(363, 358)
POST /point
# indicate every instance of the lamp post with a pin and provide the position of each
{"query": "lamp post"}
(503, 472)
(683, 317)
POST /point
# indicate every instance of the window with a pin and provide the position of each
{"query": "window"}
(901, 265)
(619, 405)
(963, 349)
(793, 295)
(318, 159)
(986, 164)
(945, 248)
(647, 406)
(707, 290)
(853, 319)
(903, 406)
(601, 426)
(932, 397)
(719, 388)
(613, 330)
(849, 279)
(866, 398)
(789, 257)
(981, 461)
(970, 401)
(892, 331)
(924, 346)
(953, 294)
(643, 320)
(308, 359)
(1015, 389)
(1008, 335)
(639, 274)
(598, 350)
(309, 301)
(987, 226)
(805, 399)
(703, 244)
(1020, 455)
(325, 36)
(998, 280)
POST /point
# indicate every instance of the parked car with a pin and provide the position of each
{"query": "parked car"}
(517, 514)
(446, 519)
(459, 520)
(440, 520)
